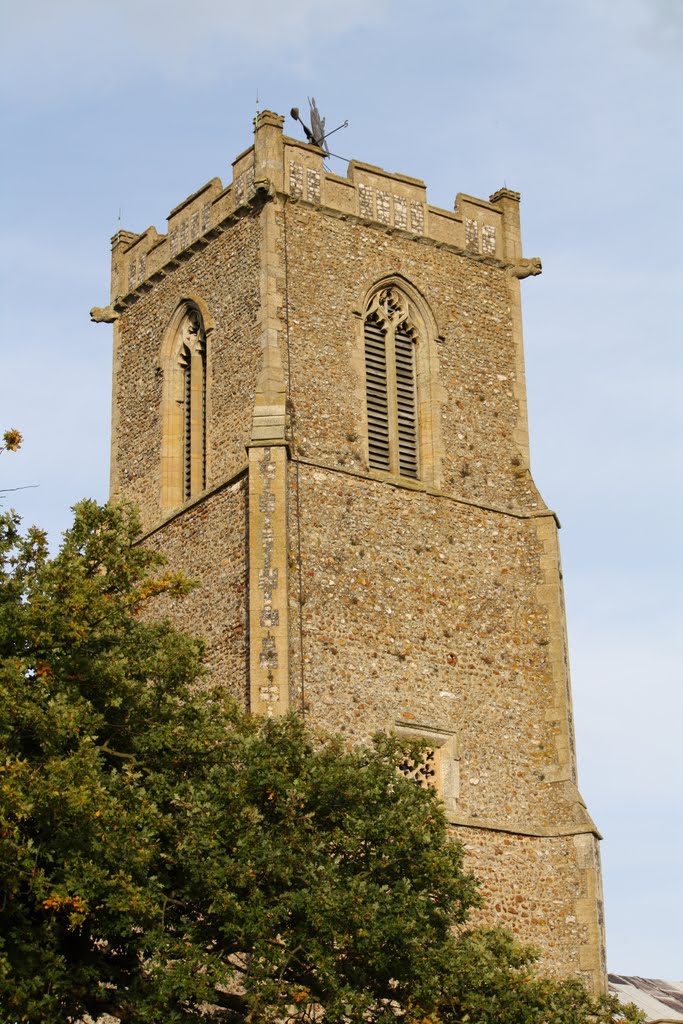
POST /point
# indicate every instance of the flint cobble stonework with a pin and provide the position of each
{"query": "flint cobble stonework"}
(425, 610)
(217, 609)
(476, 350)
(530, 886)
(365, 599)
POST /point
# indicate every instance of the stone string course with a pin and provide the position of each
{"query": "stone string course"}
(434, 604)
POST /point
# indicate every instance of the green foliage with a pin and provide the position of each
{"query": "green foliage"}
(161, 852)
(12, 441)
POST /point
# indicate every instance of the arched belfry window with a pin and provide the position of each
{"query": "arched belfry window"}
(184, 447)
(390, 339)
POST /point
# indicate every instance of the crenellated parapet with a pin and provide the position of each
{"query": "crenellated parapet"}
(485, 230)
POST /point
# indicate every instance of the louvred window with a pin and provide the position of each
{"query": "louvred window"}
(184, 442)
(192, 362)
(390, 383)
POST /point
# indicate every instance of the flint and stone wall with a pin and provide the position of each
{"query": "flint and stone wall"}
(363, 600)
(224, 277)
(208, 542)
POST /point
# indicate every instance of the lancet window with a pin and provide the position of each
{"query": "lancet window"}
(390, 339)
(193, 363)
(184, 446)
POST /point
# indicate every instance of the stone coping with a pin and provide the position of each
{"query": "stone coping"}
(157, 260)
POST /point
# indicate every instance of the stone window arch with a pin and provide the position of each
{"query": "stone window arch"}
(184, 443)
(402, 395)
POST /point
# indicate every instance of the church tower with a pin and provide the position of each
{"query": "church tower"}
(319, 407)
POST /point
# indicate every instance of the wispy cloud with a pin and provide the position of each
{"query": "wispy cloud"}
(77, 47)
(666, 26)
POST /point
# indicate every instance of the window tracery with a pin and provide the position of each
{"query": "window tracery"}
(424, 772)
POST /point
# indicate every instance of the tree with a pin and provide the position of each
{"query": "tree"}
(164, 856)
(12, 441)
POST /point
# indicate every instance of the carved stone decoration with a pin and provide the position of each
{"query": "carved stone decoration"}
(417, 218)
(438, 763)
(268, 562)
(104, 315)
(471, 234)
(268, 652)
(526, 268)
(392, 308)
(296, 178)
(366, 201)
(383, 207)
(193, 323)
(269, 695)
(268, 576)
(423, 772)
(488, 239)
(313, 185)
(400, 212)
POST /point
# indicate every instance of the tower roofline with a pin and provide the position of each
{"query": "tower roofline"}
(278, 165)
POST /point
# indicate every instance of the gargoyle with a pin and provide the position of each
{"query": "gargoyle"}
(264, 185)
(526, 268)
(103, 315)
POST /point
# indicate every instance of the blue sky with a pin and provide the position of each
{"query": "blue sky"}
(576, 104)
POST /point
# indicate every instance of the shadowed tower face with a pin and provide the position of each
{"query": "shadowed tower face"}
(319, 406)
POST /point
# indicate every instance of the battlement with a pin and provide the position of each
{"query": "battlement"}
(275, 164)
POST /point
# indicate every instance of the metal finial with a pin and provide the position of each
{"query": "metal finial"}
(316, 134)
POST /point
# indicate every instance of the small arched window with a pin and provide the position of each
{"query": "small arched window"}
(390, 339)
(184, 443)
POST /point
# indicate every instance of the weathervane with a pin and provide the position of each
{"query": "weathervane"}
(316, 133)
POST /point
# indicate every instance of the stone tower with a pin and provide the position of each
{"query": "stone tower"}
(319, 407)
